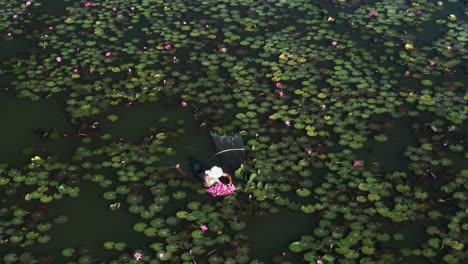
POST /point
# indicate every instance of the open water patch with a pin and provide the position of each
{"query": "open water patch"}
(42, 127)
(271, 235)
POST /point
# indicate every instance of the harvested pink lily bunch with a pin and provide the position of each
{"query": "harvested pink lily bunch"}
(221, 189)
(373, 13)
(203, 228)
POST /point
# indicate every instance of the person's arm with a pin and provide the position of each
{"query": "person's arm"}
(228, 176)
(206, 181)
(179, 169)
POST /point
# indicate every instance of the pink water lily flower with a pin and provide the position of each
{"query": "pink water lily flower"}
(319, 261)
(108, 54)
(223, 50)
(334, 43)
(51, 28)
(168, 46)
(449, 48)
(279, 85)
(137, 256)
(132, 8)
(373, 13)
(287, 123)
(183, 104)
(309, 152)
(87, 4)
(323, 106)
(15, 16)
(203, 228)
(281, 94)
(28, 3)
(75, 70)
(58, 59)
(407, 73)
(356, 164)
(431, 62)
(418, 13)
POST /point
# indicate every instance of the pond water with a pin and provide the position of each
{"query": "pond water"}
(39, 125)
(352, 114)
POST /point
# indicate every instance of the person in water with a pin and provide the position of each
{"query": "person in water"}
(209, 177)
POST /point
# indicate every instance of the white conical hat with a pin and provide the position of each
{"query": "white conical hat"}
(215, 172)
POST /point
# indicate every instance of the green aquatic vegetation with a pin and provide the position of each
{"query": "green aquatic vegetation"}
(225, 63)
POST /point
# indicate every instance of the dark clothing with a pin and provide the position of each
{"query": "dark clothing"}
(198, 170)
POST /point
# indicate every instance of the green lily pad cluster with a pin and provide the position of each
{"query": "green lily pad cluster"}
(309, 86)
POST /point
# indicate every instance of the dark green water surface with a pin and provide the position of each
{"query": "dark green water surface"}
(418, 171)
